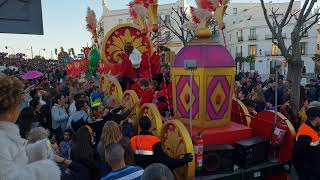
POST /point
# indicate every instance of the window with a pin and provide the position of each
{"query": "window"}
(252, 65)
(235, 11)
(253, 34)
(304, 34)
(252, 50)
(120, 21)
(275, 50)
(318, 47)
(167, 19)
(160, 16)
(239, 51)
(303, 48)
(167, 34)
(239, 35)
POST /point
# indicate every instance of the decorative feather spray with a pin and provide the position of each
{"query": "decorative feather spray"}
(91, 20)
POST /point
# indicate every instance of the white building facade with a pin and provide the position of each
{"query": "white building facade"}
(247, 33)
(112, 18)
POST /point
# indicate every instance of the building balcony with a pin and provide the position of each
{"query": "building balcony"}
(167, 22)
(252, 38)
(305, 35)
(239, 54)
(240, 38)
(304, 53)
(270, 53)
(269, 36)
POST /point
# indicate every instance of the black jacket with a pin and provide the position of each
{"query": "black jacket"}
(114, 115)
(85, 168)
(306, 158)
(159, 157)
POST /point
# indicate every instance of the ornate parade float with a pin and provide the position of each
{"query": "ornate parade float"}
(226, 140)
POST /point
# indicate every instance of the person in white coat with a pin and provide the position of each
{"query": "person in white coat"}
(14, 161)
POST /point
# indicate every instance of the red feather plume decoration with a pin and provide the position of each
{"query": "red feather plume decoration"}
(195, 19)
(206, 4)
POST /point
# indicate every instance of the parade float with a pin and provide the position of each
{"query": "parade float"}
(208, 121)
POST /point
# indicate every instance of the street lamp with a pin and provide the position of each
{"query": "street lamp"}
(11, 49)
(190, 65)
(277, 64)
(40, 51)
(31, 50)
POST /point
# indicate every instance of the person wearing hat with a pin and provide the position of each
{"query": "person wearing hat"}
(147, 149)
(306, 152)
(126, 71)
(145, 66)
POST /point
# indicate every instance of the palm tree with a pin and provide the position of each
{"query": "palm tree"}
(250, 59)
(240, 60)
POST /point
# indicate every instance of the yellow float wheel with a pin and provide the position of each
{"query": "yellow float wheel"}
(150, 110)
(130, 98)
(176, 142)
(241, 111)
(104, 83)
(115, 91)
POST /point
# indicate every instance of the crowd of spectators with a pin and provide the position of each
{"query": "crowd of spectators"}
(260, 95)
(87, 142)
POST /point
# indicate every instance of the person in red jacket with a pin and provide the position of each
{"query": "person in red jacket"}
(156, 68)
(126, 72)
(169, 91)
(145, 66)
(136, 88)
(161, 102)
(155, 64)
(147, 93)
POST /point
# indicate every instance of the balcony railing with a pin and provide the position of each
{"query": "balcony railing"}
(304, 35)
(252, 38)
(240, 38)
(269, 36)
(239, 54)
(252, 54)
(270, 53)
(167, 22)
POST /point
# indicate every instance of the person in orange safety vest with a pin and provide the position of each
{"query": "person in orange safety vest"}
(306, 151)
(147, 149)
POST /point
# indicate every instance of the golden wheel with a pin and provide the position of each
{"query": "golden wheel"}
(130, 98)
(115, 91)
(150, 110)
(240, 113)
(114, 42)
(176, 142)
(104, 83)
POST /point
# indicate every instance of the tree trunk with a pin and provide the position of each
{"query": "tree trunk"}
(294, 75)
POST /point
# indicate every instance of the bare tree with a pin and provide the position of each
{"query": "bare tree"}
(162, 38)
(176, 27)
(304, 20)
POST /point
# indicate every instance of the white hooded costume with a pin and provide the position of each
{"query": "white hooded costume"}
(135, 58)
(15, 162)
